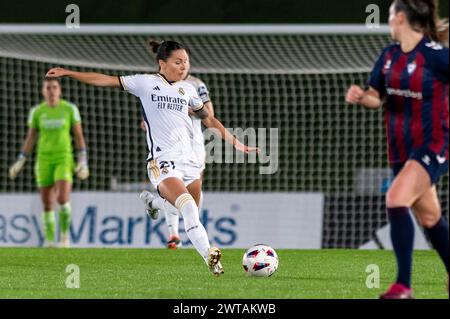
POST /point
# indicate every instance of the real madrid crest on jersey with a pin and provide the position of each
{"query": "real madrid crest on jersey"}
(411, 67)
(181, 91)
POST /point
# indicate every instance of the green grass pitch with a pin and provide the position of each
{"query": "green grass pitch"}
(158, 273)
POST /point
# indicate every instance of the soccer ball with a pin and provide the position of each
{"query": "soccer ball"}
(260, 261)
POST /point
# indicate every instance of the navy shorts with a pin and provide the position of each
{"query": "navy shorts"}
(435, 165)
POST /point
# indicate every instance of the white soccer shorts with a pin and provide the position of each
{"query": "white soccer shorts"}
(159, 170)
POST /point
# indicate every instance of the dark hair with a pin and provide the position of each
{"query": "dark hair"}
(423, 16)
(164, 49)
(51, 79)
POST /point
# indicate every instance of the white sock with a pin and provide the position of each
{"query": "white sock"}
(194, 228)
(172, 220)
(171, 213)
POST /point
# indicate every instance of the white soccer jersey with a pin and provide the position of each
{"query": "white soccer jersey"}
(169, 129)
(198, 141)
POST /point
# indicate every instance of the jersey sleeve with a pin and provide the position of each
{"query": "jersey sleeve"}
(376, 78)
(32, 118)
(437, 58)
(75, 116)
(203, 92)
(133, 83)
(195, 102)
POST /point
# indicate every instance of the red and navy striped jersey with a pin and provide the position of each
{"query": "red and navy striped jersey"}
(415, 88)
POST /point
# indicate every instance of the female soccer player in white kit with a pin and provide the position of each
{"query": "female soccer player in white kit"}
(165, 101)
(171, 213)
(198, 144)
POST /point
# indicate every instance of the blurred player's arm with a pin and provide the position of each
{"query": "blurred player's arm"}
(78, 136)
(27, 148)
(30, 141)
(369, 98)
(210, 108)
(92, 78)
(82, 168)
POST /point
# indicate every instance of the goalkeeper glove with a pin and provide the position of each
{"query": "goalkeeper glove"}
(17, 167)
(82, 169)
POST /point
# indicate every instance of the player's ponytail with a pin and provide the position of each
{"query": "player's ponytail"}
(423, 17)
(436, 28)
(163, 50)
(154, 45)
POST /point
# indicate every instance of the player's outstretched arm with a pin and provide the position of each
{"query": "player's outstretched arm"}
(213, 122)
(92, 78)
(369, 98)
(210, 121)
(27, 148)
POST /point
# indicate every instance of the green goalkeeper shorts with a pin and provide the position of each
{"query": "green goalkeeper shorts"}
(49, 172)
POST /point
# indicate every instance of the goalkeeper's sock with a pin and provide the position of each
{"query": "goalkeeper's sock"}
(172, 220)
(48, 221)
(402, 236)
(65, 216)
(438, 235)
(194, 228)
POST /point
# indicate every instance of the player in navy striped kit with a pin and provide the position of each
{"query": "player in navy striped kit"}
(410, 79)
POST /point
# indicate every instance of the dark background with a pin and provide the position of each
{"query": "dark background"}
(195, 11)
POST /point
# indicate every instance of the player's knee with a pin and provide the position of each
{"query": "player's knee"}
(187, 206)
(63, 199)
(395, 199)
(428, 220)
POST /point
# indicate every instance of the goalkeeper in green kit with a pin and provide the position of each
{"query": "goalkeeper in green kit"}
(50, 124)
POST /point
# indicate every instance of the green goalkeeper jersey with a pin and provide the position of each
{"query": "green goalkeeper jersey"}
(54, 125)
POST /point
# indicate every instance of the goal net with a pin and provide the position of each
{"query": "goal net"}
(293, 80)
